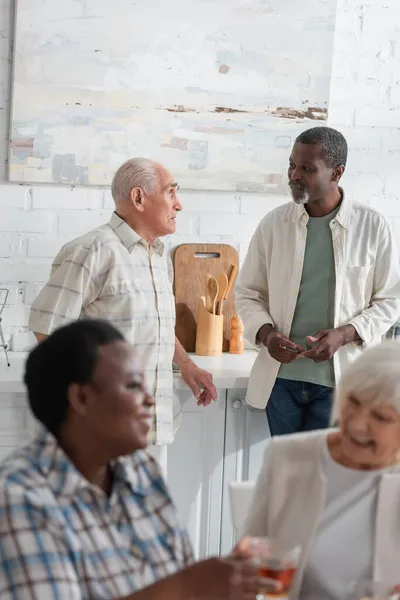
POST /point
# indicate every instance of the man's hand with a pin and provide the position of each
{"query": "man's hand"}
(328, 342)
(200, 382)
(280, 347)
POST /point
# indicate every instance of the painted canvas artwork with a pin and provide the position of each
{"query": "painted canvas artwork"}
(216, 90)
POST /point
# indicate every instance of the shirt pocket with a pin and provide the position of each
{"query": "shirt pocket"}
(358, 286)
(122, 287)
(126, 302)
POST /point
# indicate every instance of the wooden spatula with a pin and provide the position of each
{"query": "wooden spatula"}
(212, 292)
(223, 286)
(207, 294)
(232, 275)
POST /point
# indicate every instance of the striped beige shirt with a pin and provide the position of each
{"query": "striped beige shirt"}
(111, 273)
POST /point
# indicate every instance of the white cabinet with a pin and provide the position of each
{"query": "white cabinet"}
(195, 471)
(246, 436)
(215, 445)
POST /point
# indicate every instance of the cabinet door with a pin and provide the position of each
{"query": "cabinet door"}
(16, 422)
(195, 471)
(247, 435)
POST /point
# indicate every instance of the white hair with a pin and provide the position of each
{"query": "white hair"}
(374, 378)
(135, 172)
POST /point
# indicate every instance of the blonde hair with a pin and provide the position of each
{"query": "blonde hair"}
(373, 378)
(135, 172)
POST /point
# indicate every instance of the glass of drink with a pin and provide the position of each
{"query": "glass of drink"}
(278, 562)
(373, 590)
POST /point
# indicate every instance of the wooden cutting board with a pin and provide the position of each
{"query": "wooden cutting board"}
(191, 264)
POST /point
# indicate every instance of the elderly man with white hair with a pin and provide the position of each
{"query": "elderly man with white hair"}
(336, 492)
(121, 272)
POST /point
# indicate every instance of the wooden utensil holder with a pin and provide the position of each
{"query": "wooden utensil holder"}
(210, 332)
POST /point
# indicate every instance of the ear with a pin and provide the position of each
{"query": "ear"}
(77, 398)
(338, 174)
(137, 198)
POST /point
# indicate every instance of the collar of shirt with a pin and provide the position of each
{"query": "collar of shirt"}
(130, 238)
(298, 211)
(65, 479)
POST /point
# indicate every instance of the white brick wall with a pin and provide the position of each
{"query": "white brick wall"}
(364, 105)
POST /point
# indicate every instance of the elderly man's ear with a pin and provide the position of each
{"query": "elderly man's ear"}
(137, 198)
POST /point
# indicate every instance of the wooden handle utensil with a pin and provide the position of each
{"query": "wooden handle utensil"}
(212, 289)
(232, 276)
(207, 298)
(223, 286)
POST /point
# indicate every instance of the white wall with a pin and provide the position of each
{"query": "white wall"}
(364, 105)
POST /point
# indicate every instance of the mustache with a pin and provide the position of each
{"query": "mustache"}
(297, 186)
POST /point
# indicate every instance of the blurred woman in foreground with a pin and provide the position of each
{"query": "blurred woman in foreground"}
(84, 510)
(337, 492)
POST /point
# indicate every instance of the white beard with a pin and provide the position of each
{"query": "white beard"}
(303, 199)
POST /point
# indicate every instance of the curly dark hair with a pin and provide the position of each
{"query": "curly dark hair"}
(332, 143)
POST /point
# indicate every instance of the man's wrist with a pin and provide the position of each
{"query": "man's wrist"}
(181, 357)
(349, 334)
(186, 363)
(264, 332)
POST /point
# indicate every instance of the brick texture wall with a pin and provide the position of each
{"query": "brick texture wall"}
(364, 104)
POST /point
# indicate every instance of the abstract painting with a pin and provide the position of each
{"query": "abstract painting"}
(216, 90)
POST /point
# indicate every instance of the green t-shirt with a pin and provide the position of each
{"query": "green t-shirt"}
(315, 302)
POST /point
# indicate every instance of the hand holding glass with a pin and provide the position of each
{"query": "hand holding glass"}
(277, 562)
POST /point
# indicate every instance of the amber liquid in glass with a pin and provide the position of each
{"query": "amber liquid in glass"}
(284, 575)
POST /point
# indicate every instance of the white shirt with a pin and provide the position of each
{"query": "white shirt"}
(341, 552)
(367, 293)
(111, 273)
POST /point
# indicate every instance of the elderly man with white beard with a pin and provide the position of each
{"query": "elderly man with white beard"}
(320, 282)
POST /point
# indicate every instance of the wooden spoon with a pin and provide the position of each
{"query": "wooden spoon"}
(223, 286)
(207, 299)
(212, 292)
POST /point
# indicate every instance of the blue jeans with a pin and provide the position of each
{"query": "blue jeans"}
(298, 406)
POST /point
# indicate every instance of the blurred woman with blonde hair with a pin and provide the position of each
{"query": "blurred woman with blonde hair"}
(336, 492)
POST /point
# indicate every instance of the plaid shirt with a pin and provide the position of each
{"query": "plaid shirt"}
(111, 273)
(62, 538)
